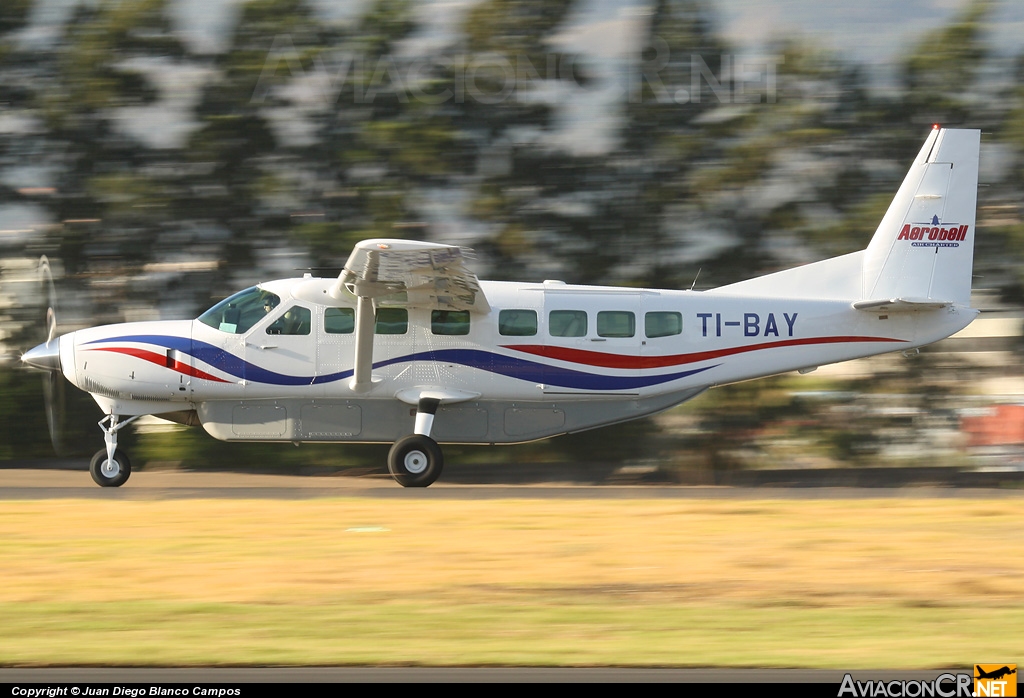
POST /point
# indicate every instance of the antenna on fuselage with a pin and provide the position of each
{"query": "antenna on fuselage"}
(699, 269)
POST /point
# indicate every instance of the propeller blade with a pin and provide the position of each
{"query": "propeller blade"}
(54, 399)
(49, 291)
(53, 380)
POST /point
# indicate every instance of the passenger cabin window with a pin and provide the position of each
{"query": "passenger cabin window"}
(295, 321)
(616, 323)
(449, 322)
(339, 320)
(663, 324)
(392, 321)
(238, 313)
(567, 323)
(517, 323)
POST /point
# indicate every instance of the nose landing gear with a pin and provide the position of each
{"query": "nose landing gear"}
(110, 467)
(110, 472)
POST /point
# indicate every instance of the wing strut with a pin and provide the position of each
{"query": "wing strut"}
(365, 322)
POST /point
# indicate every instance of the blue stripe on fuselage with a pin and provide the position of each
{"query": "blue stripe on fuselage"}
(510, 366)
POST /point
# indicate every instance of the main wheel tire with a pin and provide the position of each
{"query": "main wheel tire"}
(415, 461)
(110, 474)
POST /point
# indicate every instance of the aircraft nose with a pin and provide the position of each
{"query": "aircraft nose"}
(46, 356)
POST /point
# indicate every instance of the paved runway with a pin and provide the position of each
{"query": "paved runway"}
(29, 484)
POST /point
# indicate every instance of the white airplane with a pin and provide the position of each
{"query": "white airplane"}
(408, 347)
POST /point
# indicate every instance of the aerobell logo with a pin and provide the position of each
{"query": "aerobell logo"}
(943, 686)
(933, 234)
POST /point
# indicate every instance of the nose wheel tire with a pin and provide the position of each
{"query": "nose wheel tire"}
(415, 461)
(110, 473)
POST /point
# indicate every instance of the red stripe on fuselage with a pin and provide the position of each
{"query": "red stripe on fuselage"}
(161, 360)
(597, 358)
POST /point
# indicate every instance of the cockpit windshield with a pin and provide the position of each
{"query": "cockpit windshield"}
(241, 311)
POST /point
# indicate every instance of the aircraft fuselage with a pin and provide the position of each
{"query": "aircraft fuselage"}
(548, 358)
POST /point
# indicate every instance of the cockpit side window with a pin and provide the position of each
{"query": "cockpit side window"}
(295, 321)
(238, 313)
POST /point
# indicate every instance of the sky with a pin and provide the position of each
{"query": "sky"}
(870, 31)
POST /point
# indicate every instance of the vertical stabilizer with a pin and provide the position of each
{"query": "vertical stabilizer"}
(924, 247)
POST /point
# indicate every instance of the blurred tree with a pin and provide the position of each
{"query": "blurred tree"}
(244, 186)
(602, 217)
(508, 60)
(787, 167)
(14, 15)
(110, 207)
(943, 69)
(1001, 208)
(389, 133)
(13, 88)
(668, 136)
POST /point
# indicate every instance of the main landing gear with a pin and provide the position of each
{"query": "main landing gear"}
(110, 467)
(416, 460)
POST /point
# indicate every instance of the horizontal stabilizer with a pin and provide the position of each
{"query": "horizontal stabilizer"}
(902, 305)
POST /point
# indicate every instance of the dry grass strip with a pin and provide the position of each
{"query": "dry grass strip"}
(841, 583)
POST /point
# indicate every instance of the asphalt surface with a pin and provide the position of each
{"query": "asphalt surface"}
(30, 484)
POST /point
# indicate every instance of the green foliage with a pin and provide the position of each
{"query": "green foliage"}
(514, 27)
(24, 433)
(329, 240)
(14, 15)
(849, 233)
(943, 66)
(91, 62)
(681, 36)
(22, 417)
(385, 23)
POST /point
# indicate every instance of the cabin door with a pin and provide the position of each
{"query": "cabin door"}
(280, 355)
(592, 341)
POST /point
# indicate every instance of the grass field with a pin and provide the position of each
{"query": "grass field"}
(914, 583)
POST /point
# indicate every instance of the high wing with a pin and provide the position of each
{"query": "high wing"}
(408, 274)
(412, 274)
